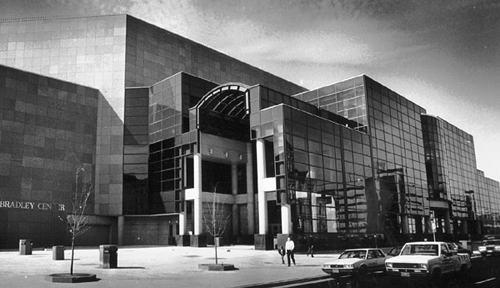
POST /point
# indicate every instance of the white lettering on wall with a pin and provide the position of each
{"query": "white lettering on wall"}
(31, 205)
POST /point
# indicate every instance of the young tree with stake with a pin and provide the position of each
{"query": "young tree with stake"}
(77, 219)
(216, 220)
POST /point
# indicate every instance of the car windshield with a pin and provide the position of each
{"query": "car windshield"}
(361, 254)
(420, 249)
(492, 242)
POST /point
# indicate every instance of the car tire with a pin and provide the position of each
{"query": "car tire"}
(463, 273)
(363, 270)
(436, 277)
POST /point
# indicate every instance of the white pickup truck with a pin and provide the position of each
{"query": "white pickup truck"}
(427, 259)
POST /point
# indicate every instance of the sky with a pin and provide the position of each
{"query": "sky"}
(442, 55)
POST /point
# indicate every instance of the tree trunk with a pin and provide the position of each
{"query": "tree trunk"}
(72, 253)
(215, 245)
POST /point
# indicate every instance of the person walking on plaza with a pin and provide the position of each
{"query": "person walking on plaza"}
(281, 251)
(290, 246)
(310, 246)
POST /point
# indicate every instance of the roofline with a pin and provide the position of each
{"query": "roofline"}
(336, 82)
(38, 18)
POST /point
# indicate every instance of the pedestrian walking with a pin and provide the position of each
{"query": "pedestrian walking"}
(282, 252)
(290, 247)
(310, 246)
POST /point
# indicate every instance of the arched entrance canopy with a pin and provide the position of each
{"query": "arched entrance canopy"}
(223, 111)
(228, 99)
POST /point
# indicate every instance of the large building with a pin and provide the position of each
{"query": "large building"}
(163, 124)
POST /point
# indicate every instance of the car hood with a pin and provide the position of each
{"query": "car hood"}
(410, 258)
(344, 261)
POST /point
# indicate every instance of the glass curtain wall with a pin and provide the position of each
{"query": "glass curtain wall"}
(322, 168)
(328, 179)
(173, 140)
(136, 151)
(461, 162)
(398, 154)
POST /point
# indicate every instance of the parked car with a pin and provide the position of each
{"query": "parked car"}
(459, 248)
(490, 247)
(427, 259)
(356, 261)
(394, 251)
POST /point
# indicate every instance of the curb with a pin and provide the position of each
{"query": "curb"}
(286, 282)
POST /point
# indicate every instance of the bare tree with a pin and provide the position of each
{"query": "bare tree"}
(216, 220)
(77, 219)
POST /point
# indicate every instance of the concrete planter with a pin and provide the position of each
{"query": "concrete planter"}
(68, 278)
(216, 267)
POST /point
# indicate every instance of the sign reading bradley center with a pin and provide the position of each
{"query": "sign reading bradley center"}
(31, 205)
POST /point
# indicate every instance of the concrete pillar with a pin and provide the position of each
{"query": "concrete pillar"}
(479, 227)
(261, 196)
(234, 187)
(447, 224)
(121, 224)
(404, 224)
(286, 219)
(250, 194)
(465, 228)
(428, 225)
(418, 225)
(182, 222)
(314, 213)
(198, 208)
(174, 228)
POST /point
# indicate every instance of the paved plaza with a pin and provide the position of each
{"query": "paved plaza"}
(159, 267)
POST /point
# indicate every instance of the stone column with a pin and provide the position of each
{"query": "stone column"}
(182, 222)
(314, 213)
(250, 193)
(121, 224)
(428, 225)
(465, 228)
(286, 219)
(234, 186)
(447, 224)
(261, 197)
(198, 207)
(404, 224)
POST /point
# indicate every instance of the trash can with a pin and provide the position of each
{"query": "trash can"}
(58, 252)
(108, 257)
(25, 247)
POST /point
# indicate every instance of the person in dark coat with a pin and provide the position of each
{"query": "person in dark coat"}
(282, 252)
(310, 246)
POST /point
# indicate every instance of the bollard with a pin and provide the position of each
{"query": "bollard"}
(58, 252)
(25, 247)
(108, 257)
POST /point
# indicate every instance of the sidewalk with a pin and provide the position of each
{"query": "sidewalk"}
(160, 267)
